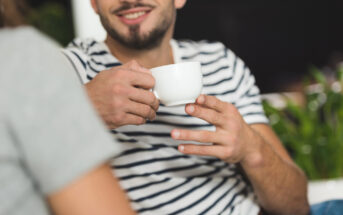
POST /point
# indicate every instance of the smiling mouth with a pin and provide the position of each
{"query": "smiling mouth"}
(134, 15)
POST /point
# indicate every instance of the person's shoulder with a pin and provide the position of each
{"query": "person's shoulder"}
(85, 45)
(209, 53)
(14, 33)
(201, 46)
(203, 49)
(28, 37)
(29, 47)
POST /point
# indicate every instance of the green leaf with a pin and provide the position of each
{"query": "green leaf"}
(313, 132)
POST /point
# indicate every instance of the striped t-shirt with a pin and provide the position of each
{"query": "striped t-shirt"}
(156, 176)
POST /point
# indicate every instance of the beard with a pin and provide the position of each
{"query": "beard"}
(137, 41)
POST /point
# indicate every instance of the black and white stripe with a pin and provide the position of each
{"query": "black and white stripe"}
(157, 177)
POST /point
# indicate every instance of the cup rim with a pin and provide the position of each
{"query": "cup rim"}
(173, 64)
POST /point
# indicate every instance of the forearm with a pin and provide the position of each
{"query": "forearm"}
(280, 186)
(97, 192)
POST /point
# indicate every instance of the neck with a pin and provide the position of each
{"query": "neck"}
(158, 56)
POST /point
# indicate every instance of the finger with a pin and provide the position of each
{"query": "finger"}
(131, 119)
(204, 113)
(214, 150)
(125, 75)
(141, 110)
(144, 96)
(142, 80)
(211, 102)
(191, 135)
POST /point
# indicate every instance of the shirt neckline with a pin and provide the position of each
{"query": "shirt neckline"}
(173, 43)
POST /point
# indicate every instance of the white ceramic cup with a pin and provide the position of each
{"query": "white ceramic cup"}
(177, 84)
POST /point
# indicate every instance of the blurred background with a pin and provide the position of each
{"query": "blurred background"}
(54, 17)
(279, 40)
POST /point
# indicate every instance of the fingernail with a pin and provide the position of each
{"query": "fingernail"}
(181, 148)
(190, 108)
(176, 134)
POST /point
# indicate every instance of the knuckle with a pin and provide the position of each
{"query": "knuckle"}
(140, 121)
(145, 110)
(118, 118)
(133, 64)
(152, 81)
(211, 100)
(234, 138)
(151, 99)
(122, 74)
(216, 118)
(152, 111)
(156, 104)
(149, 80)
(227, 152)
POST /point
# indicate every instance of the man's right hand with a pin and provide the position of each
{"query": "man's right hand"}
(122, 95)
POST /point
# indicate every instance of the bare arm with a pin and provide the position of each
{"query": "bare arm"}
(279, 184)
(98, 192)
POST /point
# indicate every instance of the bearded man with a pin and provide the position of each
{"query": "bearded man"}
(245, 170)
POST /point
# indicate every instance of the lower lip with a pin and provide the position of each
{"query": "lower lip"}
(134, 21)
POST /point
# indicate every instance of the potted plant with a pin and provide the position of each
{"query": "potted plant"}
(312, 132)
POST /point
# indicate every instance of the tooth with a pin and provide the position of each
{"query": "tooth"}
(134, 15)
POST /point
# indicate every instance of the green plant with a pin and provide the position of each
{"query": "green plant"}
(313, 131)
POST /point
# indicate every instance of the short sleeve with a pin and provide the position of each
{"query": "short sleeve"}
(248, 98)
(57, 131)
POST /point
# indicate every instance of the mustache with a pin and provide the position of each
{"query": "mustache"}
(128, 5)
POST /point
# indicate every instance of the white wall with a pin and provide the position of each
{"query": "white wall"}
(86, 21)
(319, 191)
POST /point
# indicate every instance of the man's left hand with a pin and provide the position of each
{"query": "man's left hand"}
(233, 139)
